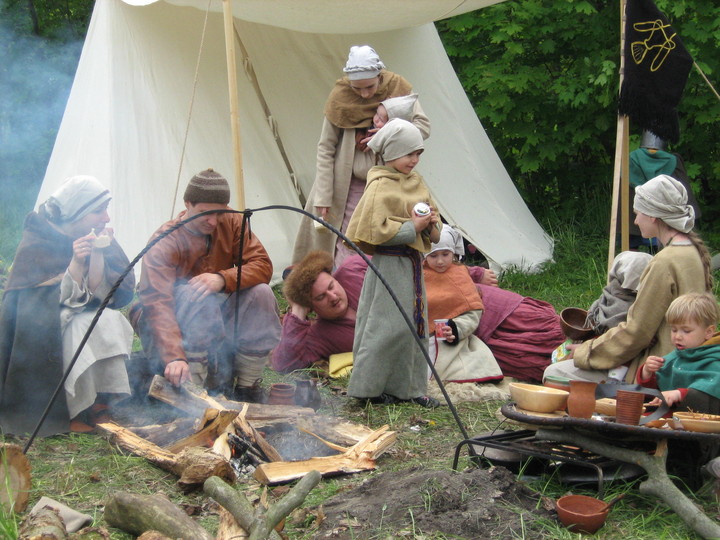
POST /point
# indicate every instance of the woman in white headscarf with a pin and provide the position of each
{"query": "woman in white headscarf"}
(64, 267)
(682, 266)
(343, 158)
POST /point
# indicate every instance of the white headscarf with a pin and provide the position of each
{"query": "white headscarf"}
(363, 63)
(395, 139)
(449, 239)
(400, 107)
(665, 198)
(76, 198)
(627, 268)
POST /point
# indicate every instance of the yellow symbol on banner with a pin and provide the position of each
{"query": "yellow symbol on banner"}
(658, 41)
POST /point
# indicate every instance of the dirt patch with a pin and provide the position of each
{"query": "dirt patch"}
(477, 503)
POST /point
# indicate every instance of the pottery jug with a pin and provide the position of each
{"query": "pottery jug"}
(581, 401)
(281, 394)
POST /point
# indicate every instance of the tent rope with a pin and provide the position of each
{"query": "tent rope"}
(707, 81)
(189, 116)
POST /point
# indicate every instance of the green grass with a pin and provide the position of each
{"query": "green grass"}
(81, 471)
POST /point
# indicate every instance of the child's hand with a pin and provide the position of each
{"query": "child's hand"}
(651, 365)
(448, 334)
(489, 278)
(421, 222)
(671, 397)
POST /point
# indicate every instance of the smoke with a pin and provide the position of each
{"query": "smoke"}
(35, 79)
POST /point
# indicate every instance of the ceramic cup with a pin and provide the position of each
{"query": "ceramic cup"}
(629, 407)
(439, 324)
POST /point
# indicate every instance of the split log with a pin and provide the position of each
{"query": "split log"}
(657, 483)
(193, 400)
(192, 465)
(261, 524)
(136, 514)
(229, 528)
(15, 479)
(167, 434)
(214, 423)
(45, 523)
(339, 432)
(361, 457)
(245, 429)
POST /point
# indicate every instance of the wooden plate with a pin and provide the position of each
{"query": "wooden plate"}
(701, 425)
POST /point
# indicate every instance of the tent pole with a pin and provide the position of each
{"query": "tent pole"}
(233, 94)
(621, 171)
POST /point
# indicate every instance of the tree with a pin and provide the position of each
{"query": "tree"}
(543, 78)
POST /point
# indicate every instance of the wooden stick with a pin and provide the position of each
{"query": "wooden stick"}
(233, 95)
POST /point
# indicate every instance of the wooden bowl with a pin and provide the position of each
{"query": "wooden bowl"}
(572, 322)
(536, 398)
(580, 513)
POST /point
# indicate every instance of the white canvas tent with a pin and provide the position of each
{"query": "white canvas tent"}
(127, 114)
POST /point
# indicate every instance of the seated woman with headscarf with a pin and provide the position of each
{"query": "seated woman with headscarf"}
(64, 267)
(682, 266)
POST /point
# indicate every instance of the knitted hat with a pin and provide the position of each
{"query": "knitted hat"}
(299, 283)
(363, 63)
(666, 199)
(207, 187)
(76, 198)
(395, 139)
(400, 107)
(449, 239)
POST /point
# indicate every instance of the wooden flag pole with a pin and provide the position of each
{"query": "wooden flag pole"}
(233, 94)
(621, 171)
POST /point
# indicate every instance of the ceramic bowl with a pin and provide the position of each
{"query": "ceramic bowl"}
(536, 398)
(572, 322)
(580, 513)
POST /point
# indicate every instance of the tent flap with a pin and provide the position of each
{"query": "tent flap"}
(129, 112)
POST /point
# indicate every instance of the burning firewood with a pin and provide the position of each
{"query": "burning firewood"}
(193, 465)
(360, 457)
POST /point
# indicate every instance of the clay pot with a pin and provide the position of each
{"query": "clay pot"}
(628, 407)
(580, 513)
(281, 394)
(581, 401)
(307, 394)
(572, 322)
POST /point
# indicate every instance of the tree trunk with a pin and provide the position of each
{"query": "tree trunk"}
(136, 514)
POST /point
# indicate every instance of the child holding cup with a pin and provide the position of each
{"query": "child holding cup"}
(389, 366)
(459, 355)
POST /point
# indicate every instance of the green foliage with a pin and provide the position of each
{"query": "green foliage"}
(543, 78)
(39, 61)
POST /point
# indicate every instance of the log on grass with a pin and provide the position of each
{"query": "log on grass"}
(45, 524)
(15, 479)
(261, 523)
(153, 535)
(136, 514)
(192, 465)
(361, 457)
(193, 400)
